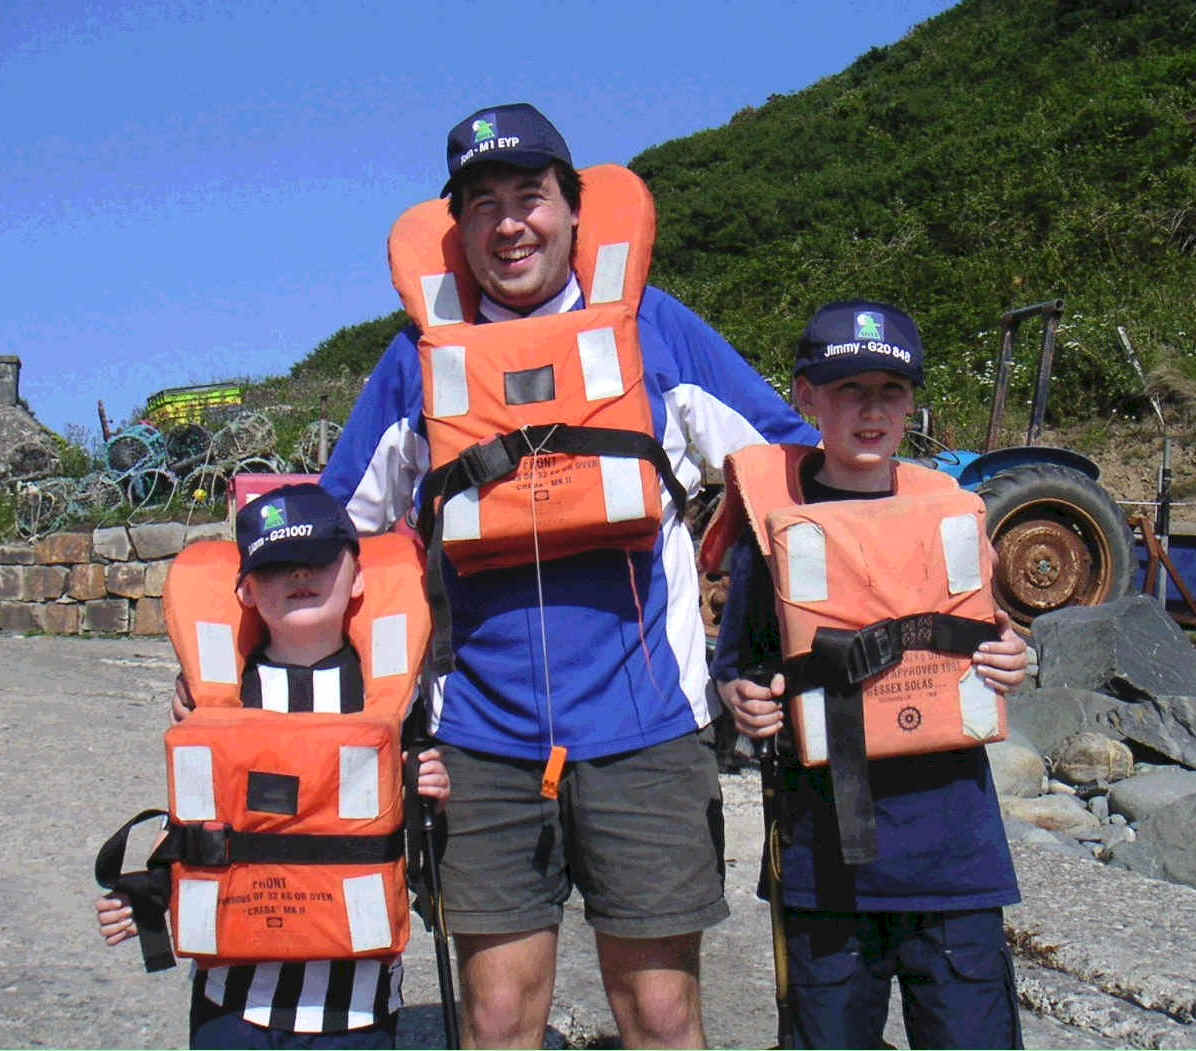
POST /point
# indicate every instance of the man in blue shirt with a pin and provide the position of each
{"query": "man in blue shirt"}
(601, 653)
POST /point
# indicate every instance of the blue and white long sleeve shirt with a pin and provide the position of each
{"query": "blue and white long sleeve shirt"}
(614, 658)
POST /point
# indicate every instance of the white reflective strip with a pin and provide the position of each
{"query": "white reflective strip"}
(600, 363)
(813, 724)
(276, 693)
(610, 268)
(309, 1011)
(622, 488)
(978, 707)
(197, 915)
(261, 993)
(369, 919)
(361, 1000)
(388, 645)
(217, 655)
(194, 790)
(462, 516)
(326, 690)
(806, 546)
(961, 549)
(441, 300)
(359, 782)
(450, 391)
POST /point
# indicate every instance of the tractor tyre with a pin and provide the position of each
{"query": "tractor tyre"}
(1060, 539)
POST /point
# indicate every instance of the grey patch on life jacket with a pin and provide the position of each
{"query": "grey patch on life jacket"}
(441, 299)
(622, 488)
(530, 385)
(450, 387)
(960, 535)
(600, 368)
(610, 270)
(272, 793)
(807, 575)
(388, 645)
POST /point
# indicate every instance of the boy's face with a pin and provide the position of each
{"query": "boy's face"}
(297, 597)
(862, 418)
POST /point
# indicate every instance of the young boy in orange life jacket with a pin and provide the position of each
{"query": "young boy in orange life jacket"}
(927, 909)
(301, 586)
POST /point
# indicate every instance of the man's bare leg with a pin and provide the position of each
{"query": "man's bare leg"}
(653, 988)
(506, 987)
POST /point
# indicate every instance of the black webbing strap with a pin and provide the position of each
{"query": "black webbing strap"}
(148, 892)
(498, 458)
(840, 661)
(210, 844)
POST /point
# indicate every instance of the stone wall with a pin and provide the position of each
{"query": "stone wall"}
(105, 582)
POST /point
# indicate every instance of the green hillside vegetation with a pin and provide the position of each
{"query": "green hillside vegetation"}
(1004, 153)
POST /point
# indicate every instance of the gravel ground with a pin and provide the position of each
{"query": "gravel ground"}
(82, 721)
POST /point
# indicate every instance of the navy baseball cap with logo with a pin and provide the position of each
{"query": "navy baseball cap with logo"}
(294, 523)
(515, 133)
(858, 335)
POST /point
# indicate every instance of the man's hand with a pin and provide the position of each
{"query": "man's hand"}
(754, 707)
(182, 703)
(433, 777)
(115, 916)
(1002, 664)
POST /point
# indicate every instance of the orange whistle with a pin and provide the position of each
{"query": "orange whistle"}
(552, 771)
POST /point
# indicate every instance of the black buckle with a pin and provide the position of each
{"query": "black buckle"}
(487, 462)
(207, 844)
(874, 649)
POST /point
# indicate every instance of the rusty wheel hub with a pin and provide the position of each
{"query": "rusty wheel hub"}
(1044, 565)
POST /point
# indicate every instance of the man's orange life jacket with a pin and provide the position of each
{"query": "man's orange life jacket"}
(285, 831)
(880, 605)
(540, 429)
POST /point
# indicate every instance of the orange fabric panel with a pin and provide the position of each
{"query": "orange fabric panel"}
(559, 497)
(291, 912)
(884, 560)
(200, 587)
(616, 206)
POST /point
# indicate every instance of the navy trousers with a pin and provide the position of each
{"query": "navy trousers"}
(954, 970)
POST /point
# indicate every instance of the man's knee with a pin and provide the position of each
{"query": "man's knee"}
(506, 986)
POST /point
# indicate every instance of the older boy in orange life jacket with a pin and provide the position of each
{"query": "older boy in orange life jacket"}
(301, 582)
(923, 902)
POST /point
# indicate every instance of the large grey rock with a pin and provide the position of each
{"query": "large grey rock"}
(1090, 756)
(1140, 797)
(1018, 830)
(157, 540)
(1129, 649)
(1064, 814)
(1051, 714)
(1170, 834)
(1166, 724)
(1016, 765)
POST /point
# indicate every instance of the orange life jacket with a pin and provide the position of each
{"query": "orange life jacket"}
(285, 833)
(539, 429)
(849, 565)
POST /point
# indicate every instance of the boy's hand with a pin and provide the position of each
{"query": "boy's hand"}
(433, 778)
(754, 708)
(182, 703)
(1002, 664)
(115, 916)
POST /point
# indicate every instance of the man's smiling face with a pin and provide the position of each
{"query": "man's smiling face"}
(517, 231)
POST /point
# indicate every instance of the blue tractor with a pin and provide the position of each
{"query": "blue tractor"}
(1060, 537)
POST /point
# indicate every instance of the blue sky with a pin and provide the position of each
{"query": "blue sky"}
(196, 191)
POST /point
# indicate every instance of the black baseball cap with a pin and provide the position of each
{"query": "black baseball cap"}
(515, 133)
(859, 335)
(293, 523)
